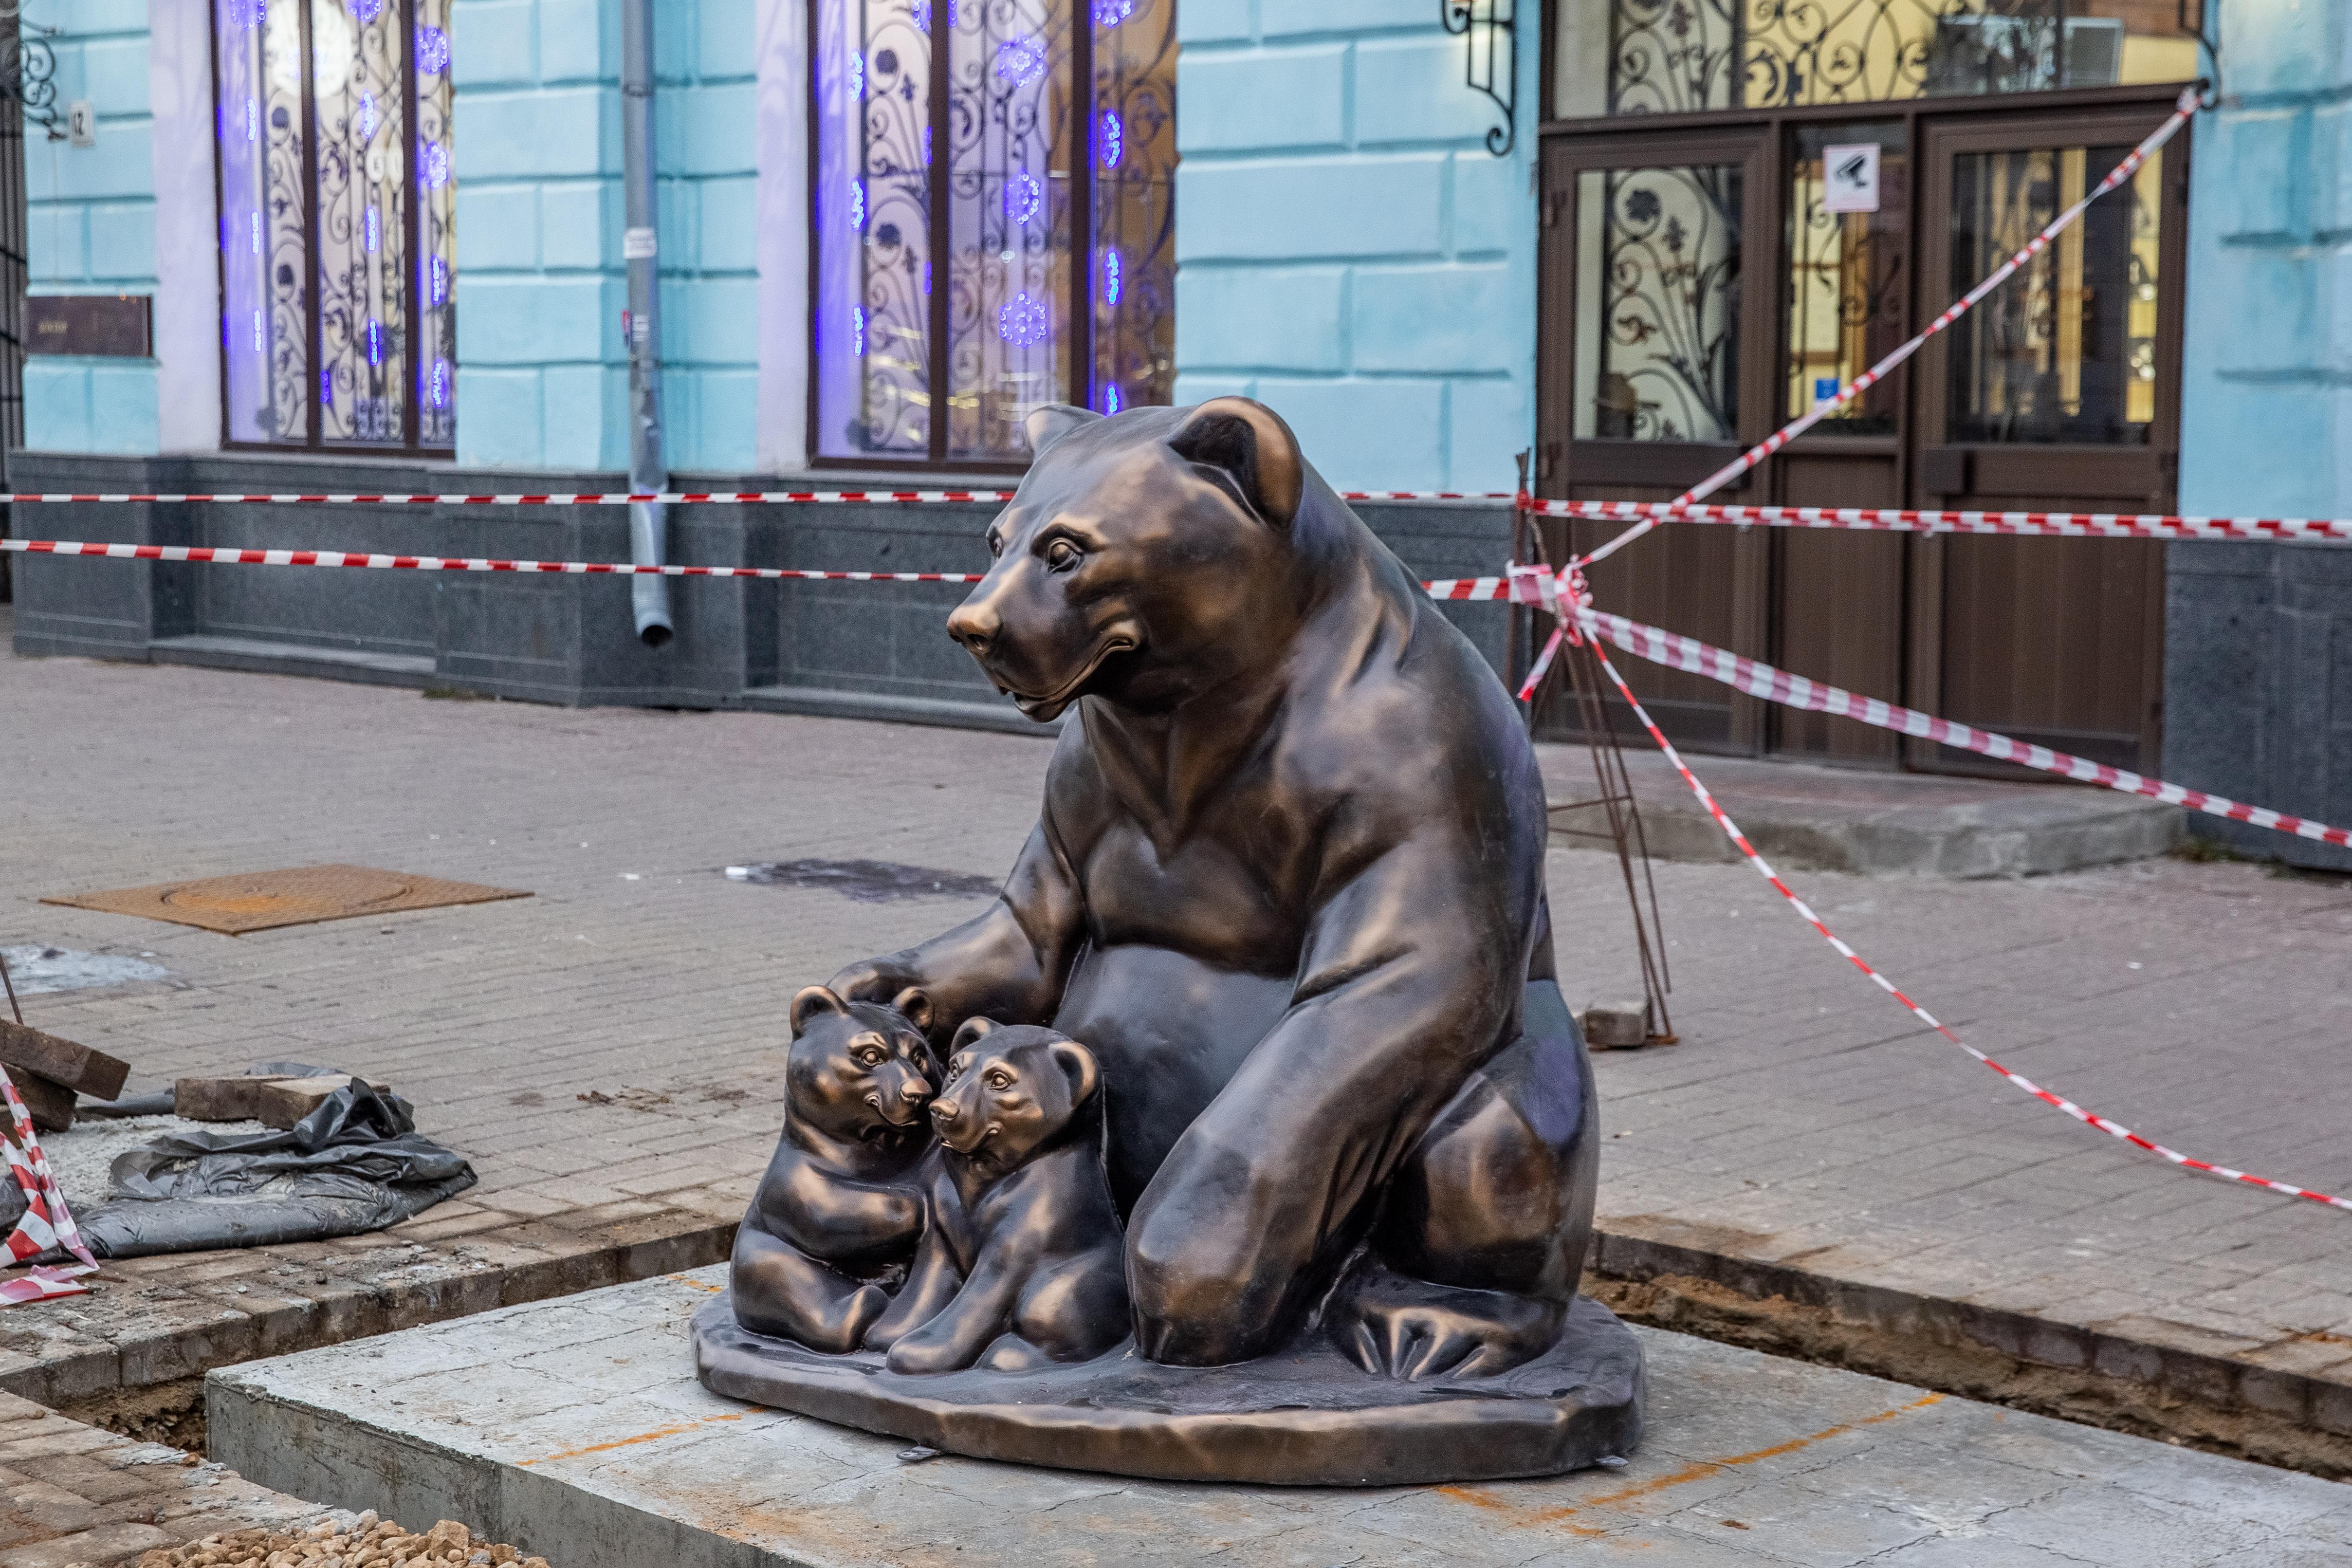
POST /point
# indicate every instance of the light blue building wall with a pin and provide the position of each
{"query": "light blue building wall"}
(2266, 405)
(542, 377)
(91, 213)
(1348, 249)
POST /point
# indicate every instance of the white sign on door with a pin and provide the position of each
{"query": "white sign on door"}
(1850, 178)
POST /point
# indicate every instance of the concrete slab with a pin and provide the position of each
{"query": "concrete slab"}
(1876, 823)
(575, 1429)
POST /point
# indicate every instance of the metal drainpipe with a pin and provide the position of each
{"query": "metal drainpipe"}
(648, 522)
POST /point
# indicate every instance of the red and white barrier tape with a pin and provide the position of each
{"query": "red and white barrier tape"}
(1760, 679)
(2184, 107)
(1903, 520)
(2047, 1096)
(48, 1224)
(207, 555)
(1449, 588)
(619, 498)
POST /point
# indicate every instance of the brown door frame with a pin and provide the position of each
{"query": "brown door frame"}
(2026, 129)
(1672, 465)
(1763, 138)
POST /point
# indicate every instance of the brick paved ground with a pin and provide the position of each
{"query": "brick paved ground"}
(1806, 1122)
(71, 1494)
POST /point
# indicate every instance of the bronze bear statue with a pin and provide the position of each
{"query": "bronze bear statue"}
(1020, 1263)
(1287, 884)
(840, 1209)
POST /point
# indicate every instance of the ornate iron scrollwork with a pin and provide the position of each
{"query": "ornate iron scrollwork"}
(29, 69)
(1490, 29)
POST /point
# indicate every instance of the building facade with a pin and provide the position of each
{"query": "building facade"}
(379, 244)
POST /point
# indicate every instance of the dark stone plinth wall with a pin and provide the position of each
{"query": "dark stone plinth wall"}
(856, 649)
(2258, 688)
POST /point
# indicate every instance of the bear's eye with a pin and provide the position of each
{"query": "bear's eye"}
(1063, 556)
(1000, 1080)
(995, 544)
(870, 1058)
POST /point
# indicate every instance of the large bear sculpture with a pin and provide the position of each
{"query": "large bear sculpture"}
(1287, 885)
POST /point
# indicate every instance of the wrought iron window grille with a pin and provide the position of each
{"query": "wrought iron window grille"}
(1489, 30)
(28, 68)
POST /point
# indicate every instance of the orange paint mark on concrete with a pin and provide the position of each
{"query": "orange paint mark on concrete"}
(657, 1433)
(1698, 1470)
(694, 1284)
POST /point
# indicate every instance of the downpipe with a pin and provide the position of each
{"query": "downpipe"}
(640, 246)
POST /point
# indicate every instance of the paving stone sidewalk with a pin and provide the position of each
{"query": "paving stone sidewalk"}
(609, 1051)
(74, 1497)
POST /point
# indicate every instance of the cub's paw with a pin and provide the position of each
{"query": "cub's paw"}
(841, 1325)
(922, 1353)
(1393, 1326)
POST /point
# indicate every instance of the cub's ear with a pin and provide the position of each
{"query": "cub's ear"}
(1049, 422)
(1250, 444)
(1077, 1063)
(809, 1003)
(972, 1029)
(916, 1003)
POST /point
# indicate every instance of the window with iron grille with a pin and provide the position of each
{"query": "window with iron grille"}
(337, 210)
(994, 221)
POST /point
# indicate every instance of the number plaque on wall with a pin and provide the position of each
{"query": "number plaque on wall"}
(119, 326)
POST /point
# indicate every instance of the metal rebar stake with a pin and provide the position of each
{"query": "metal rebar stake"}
(1615, 798)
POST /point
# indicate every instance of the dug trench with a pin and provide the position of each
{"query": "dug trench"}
(1716, 1296)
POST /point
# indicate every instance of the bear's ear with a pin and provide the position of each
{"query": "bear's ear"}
(973, 1028)
(1049, 422)
(1248, 442)
(915, 1003)
(1077, 1063)
(809, 1003)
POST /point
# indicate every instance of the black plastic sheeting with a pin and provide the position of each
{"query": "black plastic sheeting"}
(356, 1164)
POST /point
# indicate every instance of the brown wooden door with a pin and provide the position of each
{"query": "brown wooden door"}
(1657, 269)
(1847, 280)
(2060, 392)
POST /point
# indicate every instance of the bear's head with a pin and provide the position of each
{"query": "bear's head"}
(860, 1072)
(1148, 557)
(1010, 1092)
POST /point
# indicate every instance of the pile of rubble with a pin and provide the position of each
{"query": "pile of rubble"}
(366, 1542)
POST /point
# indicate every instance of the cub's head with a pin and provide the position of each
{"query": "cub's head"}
(1010, 1090)
(1146, 558)
(859, 1071)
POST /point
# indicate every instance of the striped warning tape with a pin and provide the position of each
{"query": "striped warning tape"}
(48, 1224)
(1760, 679)
(610, 497)
(1593, 619)
(1903, 520)
(204, 554)
(1449, 588)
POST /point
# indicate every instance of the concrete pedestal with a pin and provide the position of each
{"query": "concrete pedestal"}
(575, 1428)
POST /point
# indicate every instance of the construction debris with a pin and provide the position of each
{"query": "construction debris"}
(275, 1099)
(367, 1540)
(48, 1071)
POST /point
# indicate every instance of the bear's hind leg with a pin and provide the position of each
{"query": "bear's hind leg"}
(783, 1293)
(1474, 1259)
(1394, 1326)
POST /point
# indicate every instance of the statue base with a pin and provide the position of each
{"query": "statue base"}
(1305, 1417)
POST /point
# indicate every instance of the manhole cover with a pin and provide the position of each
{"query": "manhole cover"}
(260, 899)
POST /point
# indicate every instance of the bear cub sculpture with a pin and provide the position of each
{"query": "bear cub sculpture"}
(1023, 1261)
(840, 1211)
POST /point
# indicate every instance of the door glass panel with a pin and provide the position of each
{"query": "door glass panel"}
(1849, 200)
(1657, 304)
(2066, 350)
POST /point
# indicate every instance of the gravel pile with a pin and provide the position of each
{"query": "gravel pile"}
(366, 1543)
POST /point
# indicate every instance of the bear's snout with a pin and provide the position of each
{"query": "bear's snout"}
(976, 627)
